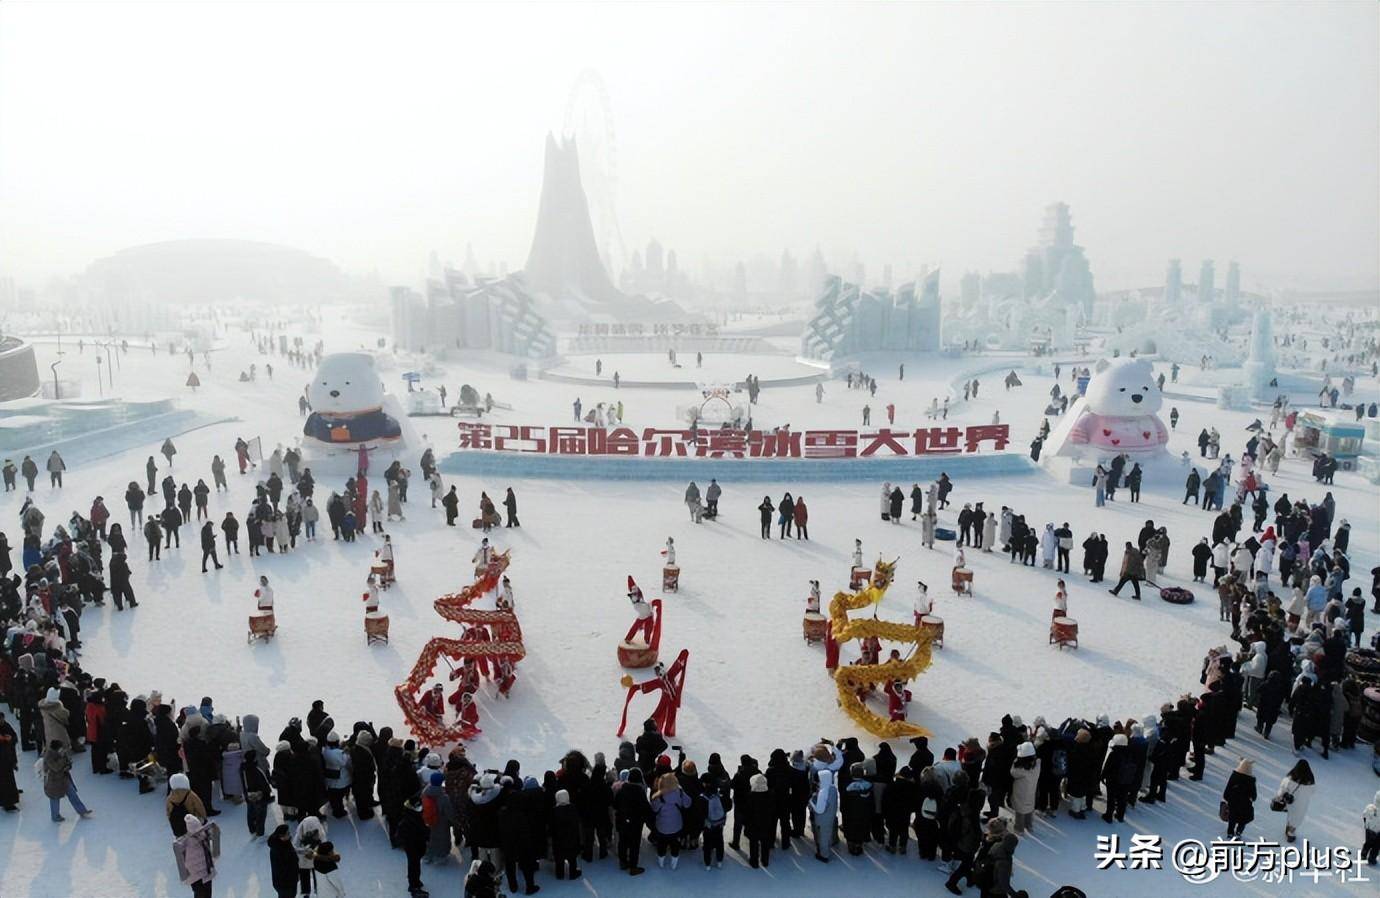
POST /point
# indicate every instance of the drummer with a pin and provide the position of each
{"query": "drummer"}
(386, 556)
(1061, 601)
(371, 596)
(812, 600)
(264, 595)
(923, 604)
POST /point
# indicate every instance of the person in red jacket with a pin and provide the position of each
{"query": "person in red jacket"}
(99, 515)
(433, 703)
(802, 518)
(96, 735)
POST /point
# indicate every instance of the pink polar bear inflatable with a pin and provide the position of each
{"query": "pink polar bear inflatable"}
(1118, 413)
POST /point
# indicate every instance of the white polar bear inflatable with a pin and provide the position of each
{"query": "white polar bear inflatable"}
(350, 407)
(1117, 414)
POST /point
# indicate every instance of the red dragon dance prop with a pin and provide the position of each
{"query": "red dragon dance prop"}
(506, 643)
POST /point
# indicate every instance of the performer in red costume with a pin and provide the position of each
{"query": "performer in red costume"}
(670, 682)
(469, 713)
(506, 674)
(433, 703)
(645, 615)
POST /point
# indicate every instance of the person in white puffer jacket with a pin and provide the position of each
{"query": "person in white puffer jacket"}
(1370, 819)
(1221, 558)
(1253, 671)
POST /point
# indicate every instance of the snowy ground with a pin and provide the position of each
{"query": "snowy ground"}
(752, 685)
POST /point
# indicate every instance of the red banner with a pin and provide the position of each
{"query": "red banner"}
(726, 443)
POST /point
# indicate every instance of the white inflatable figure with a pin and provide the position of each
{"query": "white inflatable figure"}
(857, 553)
(505, 600)
(812, 600)
(264, 595)
(349, 405)
(371, 598)
(1116, 415)
(923, 603)
(670, 552)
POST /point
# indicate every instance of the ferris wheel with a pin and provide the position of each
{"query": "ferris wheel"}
(589, 121)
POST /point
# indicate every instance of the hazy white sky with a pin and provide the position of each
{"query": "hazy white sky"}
(372, 133)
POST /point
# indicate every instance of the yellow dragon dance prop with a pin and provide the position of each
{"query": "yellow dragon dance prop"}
(851, 678)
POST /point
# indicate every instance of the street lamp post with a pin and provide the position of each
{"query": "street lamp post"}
(57, 387)
(100, 390)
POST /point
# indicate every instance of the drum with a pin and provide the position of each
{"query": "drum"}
(1369, 730)
(933, 625)
(375, 628)
(1063, 631)
(636, 654)
(963, 581)
(859, 577)
(262, 625)
(814, 626)
(380, 571)
(670, 578)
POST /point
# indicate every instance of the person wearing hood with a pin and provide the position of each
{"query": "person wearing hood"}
(966, 838)
(1239, 797)
(55, 718)
(522, 832)
(413, 835)
(1082, 773)
(482, 805)
(1001, 854)
(311, 833)
(898, 803)
(631, 812)
(779, 775)
(1119, 775)
(857, 805)
(761, 825)
(363, 770)
(56, 767)
(250, 740)
(194, 850)
(439, 815)
(282, 862)
(482, 880)
(1370, 821)
(742, 787)
(824, 807)
(565, 836)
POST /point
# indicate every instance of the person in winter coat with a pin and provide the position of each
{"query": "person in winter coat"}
(1000, 855)
(414, 836)
(1239, 797)
(57, 780)
(965, 837)
(1294, 795)
(765, 511)
(180, 802)
(824, 807)
(1119, 775)
(631, 812)
(785, 515)
(1132, 571)
(198, 862)
(565, 836)
(1082, 774)
(1370, 822)
(668, 805)
(898, 804)
(1025, 775)
(761, 825)
(714, 804)
(510, 508)
(310, 836)
(9, 763)
(337, 768)
(55, 718)
(857, 806)
(440, 815)
(282, 862)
